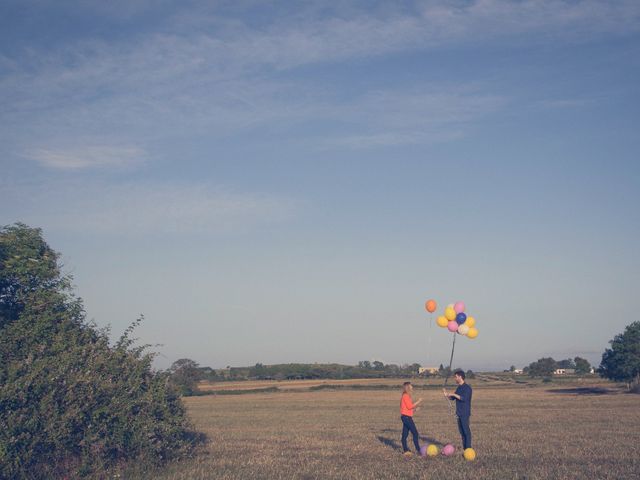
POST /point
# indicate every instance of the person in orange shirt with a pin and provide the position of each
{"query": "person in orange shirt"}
(407, 409)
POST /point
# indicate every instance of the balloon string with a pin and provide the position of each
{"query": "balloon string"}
(429, 341)
(453, 347)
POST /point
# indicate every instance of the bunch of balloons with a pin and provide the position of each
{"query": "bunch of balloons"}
(454, 319)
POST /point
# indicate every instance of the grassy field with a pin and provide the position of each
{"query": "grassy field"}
(547, 431)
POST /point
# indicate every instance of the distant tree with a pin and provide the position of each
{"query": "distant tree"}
(543, 367)
(184, 374)
(566, 363)
(392, 370)
(259, 371)
(470, 374)
(512, 368)
(365, 364)
(621, 362)
(582, 366)
(377, 365)
(440, 368)
(525, 370)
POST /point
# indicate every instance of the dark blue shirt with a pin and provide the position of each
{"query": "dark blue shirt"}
(463, 406)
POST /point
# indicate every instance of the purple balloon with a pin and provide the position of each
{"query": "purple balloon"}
(448, 450)
(423, 451)
(452, 326)
(461, 318)
(459, 307)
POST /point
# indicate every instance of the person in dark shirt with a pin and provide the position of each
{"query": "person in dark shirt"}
(462, 396)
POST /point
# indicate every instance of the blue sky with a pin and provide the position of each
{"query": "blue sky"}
(274, 182)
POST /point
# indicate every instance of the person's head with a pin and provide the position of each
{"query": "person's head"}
(407, 387)
(458, 375)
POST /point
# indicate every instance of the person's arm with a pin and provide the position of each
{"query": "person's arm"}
(451, 396)
(464, 394)
(408, 403)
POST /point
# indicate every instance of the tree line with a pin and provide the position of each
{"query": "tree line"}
(545, 367)
(185, 374)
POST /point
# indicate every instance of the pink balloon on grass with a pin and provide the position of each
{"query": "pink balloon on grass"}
(459, 307)
(448, 450)
(452, 326)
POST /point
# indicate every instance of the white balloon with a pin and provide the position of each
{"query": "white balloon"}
(463, 329)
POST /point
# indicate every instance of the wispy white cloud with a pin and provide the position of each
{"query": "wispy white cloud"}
(212, 75)
(88, 157)
(413, 117)
(567, 102)
(135, 209)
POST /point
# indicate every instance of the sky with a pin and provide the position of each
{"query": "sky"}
(290, 181)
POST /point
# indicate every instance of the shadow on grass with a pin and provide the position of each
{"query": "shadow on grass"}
(389, 443)
(431, 440)
(583, 391)
(396, 445)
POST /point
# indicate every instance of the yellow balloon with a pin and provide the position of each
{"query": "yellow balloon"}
(432, 450)
(472, 333)
(469, 454)
(442, 321)
(450, 313)
(470, 322)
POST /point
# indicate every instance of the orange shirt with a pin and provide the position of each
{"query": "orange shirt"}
(406, 405)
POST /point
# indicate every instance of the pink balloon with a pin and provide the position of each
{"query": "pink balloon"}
(459, 307)
(448, 449)
(452, 326)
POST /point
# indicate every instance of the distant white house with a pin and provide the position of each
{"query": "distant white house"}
(428, 370)
(518, 371)
(564, 371)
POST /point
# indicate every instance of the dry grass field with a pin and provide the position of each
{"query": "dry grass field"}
(572, 431)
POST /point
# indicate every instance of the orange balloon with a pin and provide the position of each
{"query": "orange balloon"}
(431, 306)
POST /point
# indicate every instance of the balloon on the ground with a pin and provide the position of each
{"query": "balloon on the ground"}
(423, 451)
(442, 321)
(448, 450)
(452, 326)
(432, 450)
(463, 329)
(469, 454)
(461, 318)
(431, 306)
(470, 322)
(459, 307)
(472, 333)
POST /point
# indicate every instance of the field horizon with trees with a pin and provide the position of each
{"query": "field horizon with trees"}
(75, 404)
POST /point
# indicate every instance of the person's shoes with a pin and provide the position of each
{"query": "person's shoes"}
(407, 453)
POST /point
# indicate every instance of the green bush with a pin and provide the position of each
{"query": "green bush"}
(71, 404)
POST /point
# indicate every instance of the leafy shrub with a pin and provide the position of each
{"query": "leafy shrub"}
(70, 403)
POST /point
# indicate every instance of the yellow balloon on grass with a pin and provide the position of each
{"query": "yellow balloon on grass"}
(450, 313)
(469, 454)
(472, 333)
(432, 450)
(442, 321)
(470, 322)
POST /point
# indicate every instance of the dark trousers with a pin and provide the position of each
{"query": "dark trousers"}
(465, 431)
(409, 426)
